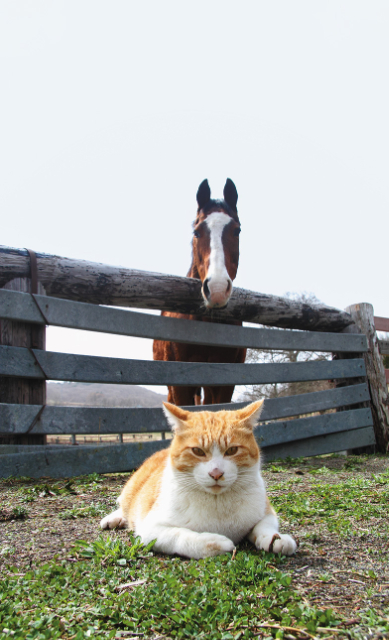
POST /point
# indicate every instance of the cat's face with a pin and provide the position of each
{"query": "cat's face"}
(213, 450)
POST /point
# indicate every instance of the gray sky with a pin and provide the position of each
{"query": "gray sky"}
(113, 112)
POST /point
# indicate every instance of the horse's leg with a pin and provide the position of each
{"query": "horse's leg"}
(218, 395)
(182, 396)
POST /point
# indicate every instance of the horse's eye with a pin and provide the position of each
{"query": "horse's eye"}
(196, 234)
(237, 231)
(198, 452)
(231, 451)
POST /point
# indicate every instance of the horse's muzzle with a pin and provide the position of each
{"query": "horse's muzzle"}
(216, 293)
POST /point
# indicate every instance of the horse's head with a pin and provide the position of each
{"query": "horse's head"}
(216, 244)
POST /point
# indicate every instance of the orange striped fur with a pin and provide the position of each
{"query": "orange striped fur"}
(204, 493)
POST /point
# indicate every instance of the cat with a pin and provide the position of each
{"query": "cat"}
(205, 493)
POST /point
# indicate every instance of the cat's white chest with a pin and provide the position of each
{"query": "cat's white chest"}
(232, 514)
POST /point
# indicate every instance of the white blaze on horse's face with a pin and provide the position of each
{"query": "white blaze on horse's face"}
(217, 286)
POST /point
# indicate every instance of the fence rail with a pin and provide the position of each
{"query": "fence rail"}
(96, 283)
(19, 419)
(49, 365)
(334, 434)
(279, 436)
(381, 324)
(77, 315)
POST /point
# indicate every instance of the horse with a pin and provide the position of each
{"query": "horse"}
(215, 257)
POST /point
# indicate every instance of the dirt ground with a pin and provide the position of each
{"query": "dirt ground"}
(39, 519)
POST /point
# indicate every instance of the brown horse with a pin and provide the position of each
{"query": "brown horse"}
(215, 262)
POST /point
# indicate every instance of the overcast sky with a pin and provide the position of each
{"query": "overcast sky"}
(112, 113)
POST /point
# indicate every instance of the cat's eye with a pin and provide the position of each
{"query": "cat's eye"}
(198, 452)
(231, 451)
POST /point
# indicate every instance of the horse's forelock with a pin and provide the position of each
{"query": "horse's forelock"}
(218, 205)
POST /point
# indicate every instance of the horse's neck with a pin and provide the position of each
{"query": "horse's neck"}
(193, 273)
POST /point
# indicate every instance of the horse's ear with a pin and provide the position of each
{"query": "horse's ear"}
(230, 194)
(203, 194)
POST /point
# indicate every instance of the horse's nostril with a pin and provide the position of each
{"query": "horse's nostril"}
(206, 288)
(229, 285)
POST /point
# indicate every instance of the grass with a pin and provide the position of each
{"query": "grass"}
(338, 504)
(83, 595)
(111, 586)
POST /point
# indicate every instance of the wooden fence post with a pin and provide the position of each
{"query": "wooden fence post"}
(22, 390)
(363, 316)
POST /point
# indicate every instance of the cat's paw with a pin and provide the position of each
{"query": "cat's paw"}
(213, 544)
(114, 520)
(277, 543)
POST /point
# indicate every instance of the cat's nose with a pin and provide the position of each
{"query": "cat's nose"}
(216, 474)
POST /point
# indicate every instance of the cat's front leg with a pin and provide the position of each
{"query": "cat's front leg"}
(114, 520)
(265, 535)
(185, 542)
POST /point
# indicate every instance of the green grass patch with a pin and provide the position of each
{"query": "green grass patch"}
(84, 511)
(338, 505)
(91, 595)
(103, 588)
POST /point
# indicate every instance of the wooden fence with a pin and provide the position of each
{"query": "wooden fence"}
(382, 324)
(303, 436)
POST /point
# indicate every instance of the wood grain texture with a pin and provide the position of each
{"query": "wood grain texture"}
(18, 333)
(321, 445)
(20, 307)
(291, 430)
(78, 315)
(69, 367)
(18, 362)
(82, 420)
(384, 347)
(363, 316)
(64, 462)
(84, 281)
(381, 324)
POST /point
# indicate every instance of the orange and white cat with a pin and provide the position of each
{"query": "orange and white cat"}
(205, 493)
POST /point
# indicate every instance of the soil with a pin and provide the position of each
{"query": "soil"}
(329, 571)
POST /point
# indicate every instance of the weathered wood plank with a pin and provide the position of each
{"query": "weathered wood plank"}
(18, 418)
(72, 461)
(363, 316)
(102, 284)
(83, 420)
(70, 367)
(79, 315)
(19, 307)
(321, 445)
(16, 333)
(19, 362)
(384, 347)
(291, 430)
(381, 324)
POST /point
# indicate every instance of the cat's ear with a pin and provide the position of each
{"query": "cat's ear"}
(249, 416)
(175, 416)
